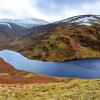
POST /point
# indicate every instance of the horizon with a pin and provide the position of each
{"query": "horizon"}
(29, 18)
(50, 11)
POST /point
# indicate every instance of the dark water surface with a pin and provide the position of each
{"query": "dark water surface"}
(82, 68)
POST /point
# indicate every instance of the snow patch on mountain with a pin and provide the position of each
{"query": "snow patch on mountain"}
(7, 24)
(87, 24)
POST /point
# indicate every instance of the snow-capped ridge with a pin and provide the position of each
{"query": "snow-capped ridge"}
(29, 22)
(83, 19)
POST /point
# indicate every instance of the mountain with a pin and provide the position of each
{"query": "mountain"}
(10, 75)
(13, 30)
(10, 32)
(82, 20)
(68, 39)
(28, 23)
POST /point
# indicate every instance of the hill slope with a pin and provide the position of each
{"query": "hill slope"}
(9, 32)
(64, 40)
(10, 75)
(72, 38)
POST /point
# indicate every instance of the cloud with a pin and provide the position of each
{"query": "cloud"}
(6, 11)
(55, 6)
(20, 9)
(50, 10)
(65, 8)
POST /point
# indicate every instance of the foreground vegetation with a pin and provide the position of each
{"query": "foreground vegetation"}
(76, 89)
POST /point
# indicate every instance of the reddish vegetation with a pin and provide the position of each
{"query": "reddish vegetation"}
(5, 67)
(16, 80)
(10, 75)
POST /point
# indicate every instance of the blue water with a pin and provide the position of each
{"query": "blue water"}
(82, 68)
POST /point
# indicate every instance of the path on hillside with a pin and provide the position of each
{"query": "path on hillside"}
(74, 42)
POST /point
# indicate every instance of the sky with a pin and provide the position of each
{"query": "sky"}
(49, 10)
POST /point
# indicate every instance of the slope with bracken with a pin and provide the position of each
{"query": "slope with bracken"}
(10, 75)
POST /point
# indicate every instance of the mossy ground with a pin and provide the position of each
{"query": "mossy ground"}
(77, 89)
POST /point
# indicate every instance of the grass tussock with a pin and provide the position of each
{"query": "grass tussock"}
(76, 89)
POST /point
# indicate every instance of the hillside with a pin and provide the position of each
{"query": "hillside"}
(12, 29)
(17, 84)
(10, 75)
(72, 38)
(64, 40)
(9, 32)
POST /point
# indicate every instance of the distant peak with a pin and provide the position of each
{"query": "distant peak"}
(25, 22)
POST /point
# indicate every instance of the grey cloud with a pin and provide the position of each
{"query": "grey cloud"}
(9, 13)
(50, 10)
(57, 6)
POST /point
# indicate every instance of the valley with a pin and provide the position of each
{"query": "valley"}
(49, 49)
(44, 61)
(60, 41)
